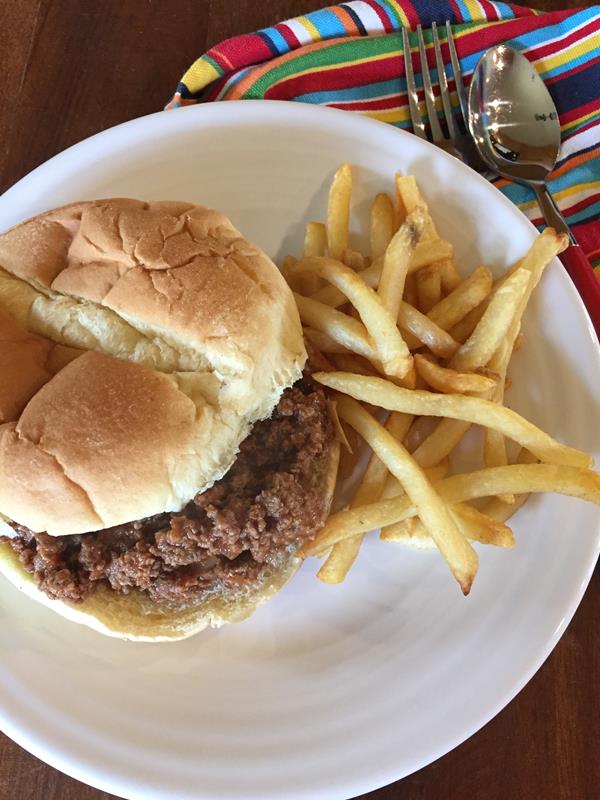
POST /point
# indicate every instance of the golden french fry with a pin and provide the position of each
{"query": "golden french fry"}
(397, 259)
(544, 248)
(476, 527)
(434, 514)
(463, 329)
(353, 259)
(315, 239)
(429, 251)
(382, 225)
(393, 488)
(504, 506)
(338, 211)
(408, 198)
(429, 287)
(469, 409)
(424, 253)
(441, 442)
(382, 329)
(349, 362)
(315, 244)
(494, 325)
(324, 342)
(343, 554)
(449, 432)
(333, 297)
(450, 381)
(419, 431)
(488, 482)
(410, 290)
(343, 329)
(426, 331)
(449, 275)
(463, 299)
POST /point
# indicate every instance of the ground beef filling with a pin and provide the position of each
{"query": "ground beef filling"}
(226, 538)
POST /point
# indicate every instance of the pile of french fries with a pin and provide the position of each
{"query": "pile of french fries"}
(400, 330)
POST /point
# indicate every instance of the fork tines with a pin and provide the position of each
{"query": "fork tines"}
(437, 135)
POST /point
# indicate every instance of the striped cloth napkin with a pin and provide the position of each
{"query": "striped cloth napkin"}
(349, 56)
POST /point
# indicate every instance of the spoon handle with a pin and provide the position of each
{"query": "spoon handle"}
(574, 260)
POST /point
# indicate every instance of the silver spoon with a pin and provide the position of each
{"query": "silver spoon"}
(515, 125)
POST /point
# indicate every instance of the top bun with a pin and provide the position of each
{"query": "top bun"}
(139, 342)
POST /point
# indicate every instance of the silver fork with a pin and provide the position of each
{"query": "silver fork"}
(456, 143)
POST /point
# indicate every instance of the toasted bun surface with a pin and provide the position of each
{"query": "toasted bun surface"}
(135, 617)
(139, 342)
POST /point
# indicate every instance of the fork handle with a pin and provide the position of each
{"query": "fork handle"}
(573, 258)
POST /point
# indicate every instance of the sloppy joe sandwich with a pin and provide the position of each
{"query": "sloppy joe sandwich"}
(162, 453)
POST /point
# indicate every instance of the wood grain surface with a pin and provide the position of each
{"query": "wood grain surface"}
(70, 68)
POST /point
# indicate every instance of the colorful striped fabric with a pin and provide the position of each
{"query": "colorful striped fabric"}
(349, 56)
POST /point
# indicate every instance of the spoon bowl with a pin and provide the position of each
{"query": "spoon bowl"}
(515, 125)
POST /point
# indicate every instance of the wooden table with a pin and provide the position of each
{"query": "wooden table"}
(73, 67)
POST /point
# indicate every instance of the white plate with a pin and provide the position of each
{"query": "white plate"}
(327, 692)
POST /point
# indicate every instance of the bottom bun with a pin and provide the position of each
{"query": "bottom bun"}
(136, 618)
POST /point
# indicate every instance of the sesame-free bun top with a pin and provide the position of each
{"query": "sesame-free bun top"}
(139, 342)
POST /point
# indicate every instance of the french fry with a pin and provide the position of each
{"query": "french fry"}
(426, 331)
(340, 327)
(324, 342)
(441, 442)
(338, 211)
(469, 409)
(393, 488)
(397, 259)
(410, 290)
(544, 248)
(475, 525)
(389, 344)
(429, 251)
(463, 329)
(494, 325)
(408, 198)
(315, 239)
(429, 287)
(354, 260)
(488, 482)
(463, 299)
(315, 244)
(343, 554)
(499, 509)
(449, 275)
(349, 362)
(419, 431)
(424, 253)
(434, 514)
(449, 381)
(382, 225)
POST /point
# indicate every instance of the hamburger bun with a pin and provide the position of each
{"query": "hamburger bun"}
(178, 335)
